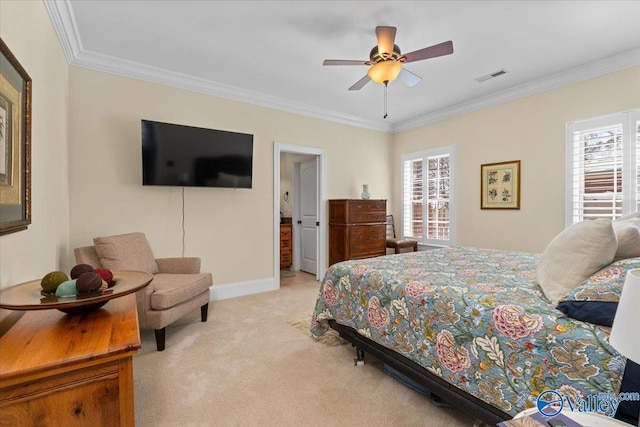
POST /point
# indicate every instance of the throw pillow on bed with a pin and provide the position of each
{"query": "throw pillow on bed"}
(596, 300)
(574, 255)
(628, 234)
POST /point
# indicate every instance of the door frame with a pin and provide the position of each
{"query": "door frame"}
(279, 148)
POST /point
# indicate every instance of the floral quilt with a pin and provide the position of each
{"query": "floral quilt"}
(475, 317)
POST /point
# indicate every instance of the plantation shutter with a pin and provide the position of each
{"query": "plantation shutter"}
(427, 196)
(603, 160)
(412, 178)
(438, 197)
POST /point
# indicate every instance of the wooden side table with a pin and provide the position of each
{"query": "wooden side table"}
(59, 369)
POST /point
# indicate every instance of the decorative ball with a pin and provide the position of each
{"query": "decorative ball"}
(106, 275)
(88, 282)
(67, 289)
(77, 270)
(51, 281)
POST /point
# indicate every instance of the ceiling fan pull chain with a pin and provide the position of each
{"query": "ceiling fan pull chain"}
(385, 100)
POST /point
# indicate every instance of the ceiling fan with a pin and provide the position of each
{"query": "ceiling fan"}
(386, 60)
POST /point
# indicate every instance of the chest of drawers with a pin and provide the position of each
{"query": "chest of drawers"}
(357, 229)
(286, 245)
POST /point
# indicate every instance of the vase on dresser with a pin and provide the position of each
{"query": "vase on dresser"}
(365, 192)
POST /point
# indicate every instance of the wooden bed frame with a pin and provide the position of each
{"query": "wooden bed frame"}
(456, 397)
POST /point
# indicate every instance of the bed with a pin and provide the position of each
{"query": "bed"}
(474, 327)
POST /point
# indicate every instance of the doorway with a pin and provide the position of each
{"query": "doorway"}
(305, 184)
(307, 207)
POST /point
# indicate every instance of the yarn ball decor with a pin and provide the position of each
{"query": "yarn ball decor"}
(51, 281)
(106, 275)
(67, 289)
(88, 282)
(78, 269)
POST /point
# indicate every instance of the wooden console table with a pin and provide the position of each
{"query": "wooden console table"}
(70, 370)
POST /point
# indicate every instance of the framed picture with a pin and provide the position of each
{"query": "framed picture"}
(15, 144)
(500, 185)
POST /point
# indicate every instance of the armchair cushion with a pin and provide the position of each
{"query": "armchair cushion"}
(172, 289)
(126, 252)
(186, 265)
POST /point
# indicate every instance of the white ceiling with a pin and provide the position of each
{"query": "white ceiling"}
(270, 52)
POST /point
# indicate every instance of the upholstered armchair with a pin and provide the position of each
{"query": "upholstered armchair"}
(178, 287)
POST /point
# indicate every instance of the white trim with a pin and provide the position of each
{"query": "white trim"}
(61, 16)
(279, 148)
(239, 289)
(64, 24)
(568, 178)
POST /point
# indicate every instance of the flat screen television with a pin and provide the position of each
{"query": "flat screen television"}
(187, 156)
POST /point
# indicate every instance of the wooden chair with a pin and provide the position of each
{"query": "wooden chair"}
(398, 243)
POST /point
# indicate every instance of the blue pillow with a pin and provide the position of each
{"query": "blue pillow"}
(596, 312)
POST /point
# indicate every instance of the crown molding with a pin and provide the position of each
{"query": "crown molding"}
(61, 16)
(131, 69)
(610, 64)
(64, 23)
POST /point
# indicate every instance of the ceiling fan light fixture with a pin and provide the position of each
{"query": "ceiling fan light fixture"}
(385, 71)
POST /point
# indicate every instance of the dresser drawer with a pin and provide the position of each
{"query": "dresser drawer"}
(285, 259)
(367, 211)
(367, 233)
(285, 244)
(369, 249)
(285, 232)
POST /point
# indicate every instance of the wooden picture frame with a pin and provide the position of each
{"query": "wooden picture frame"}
(15, 144)
(500, 185)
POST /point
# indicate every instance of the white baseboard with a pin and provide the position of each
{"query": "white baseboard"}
(232, 290)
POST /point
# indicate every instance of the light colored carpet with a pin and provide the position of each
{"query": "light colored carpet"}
(251, 365)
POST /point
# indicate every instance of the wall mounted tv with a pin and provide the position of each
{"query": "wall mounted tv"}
(187, 156)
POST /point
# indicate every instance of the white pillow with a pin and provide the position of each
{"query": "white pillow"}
(628, 234)
(628, 217)
(574, 255)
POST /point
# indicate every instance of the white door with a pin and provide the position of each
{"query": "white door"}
(308, 216)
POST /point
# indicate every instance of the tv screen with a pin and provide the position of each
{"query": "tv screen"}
(188, 156)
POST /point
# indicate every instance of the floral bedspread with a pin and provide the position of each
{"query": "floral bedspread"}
(475, 317)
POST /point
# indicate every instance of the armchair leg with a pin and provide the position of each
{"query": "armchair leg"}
(160, 333)
(204, 311)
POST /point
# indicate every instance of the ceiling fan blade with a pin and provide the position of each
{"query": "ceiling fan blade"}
(386, 39)
(344, 62)
(409, 78)
(441, 49)
(360, 83)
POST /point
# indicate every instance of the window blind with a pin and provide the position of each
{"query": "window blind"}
(603, 167)
(427, 196)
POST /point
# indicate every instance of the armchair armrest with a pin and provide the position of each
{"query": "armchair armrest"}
(186, 265)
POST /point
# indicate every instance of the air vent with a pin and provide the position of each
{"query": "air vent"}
(490, 76)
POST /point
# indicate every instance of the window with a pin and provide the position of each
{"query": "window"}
(427, 196)
(603, 167)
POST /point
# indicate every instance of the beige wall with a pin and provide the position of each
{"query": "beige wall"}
(87, 178)
(532, 130)
(231, 230)
(25, 255)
